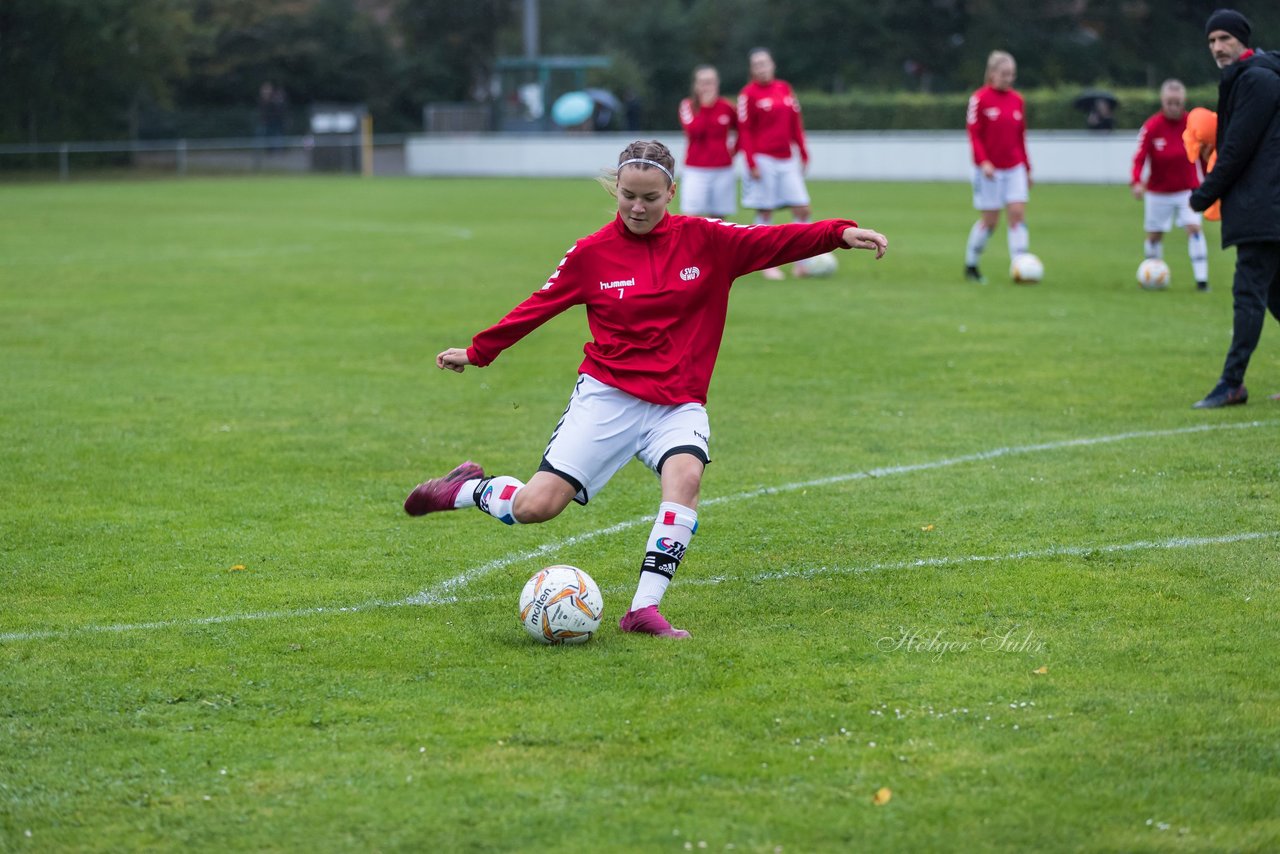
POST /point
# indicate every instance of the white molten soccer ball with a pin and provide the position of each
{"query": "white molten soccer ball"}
(1026, 269)
(561, 604)
(820, 266)
(1153, 274)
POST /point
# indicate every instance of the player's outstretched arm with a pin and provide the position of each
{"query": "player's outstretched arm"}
(865, 238)
(454, 359)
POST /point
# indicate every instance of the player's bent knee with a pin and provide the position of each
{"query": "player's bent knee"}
(542, 499)
(537, 508)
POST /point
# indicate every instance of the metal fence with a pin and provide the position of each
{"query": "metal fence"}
(379, 155)
(438, 117)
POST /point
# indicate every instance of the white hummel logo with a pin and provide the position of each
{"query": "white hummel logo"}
(690, 273)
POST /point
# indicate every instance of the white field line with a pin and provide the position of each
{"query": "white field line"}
(445, 592)
(780, 575)
(445, 589)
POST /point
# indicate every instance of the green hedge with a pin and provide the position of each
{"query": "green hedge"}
(1046, 109)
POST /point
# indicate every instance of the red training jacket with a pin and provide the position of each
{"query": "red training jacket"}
(997, 128)
(707, 131)
(656, 303)
(769, 121)
(1160, 144)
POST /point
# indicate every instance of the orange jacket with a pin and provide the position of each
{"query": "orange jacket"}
(1200, 137)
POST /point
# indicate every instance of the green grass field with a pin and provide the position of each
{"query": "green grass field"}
(967, 544)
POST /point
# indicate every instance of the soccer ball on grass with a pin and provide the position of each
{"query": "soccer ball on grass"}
(1026, 269)
(561, 604)
(1153, 274)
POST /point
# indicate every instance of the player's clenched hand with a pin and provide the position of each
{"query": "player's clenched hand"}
(453, 359)
(865, 238)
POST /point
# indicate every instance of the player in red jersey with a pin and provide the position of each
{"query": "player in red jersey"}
(1001, 173)
(770, 136)
(656, 290)
(1171, 178)
(707, 183)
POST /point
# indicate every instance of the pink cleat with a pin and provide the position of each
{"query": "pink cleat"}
(648, 621)
(439, 493)
(773, 274)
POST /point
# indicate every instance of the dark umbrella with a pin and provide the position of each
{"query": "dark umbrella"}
(607, 104)
(1088, 100)
(1100, 106)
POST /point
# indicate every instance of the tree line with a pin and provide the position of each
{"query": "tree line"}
(105, 69)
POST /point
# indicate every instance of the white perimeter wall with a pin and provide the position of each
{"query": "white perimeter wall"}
(1071, 157)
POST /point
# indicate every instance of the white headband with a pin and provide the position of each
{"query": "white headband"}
(665, 171)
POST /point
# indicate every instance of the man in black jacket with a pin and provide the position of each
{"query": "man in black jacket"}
(1247, 179)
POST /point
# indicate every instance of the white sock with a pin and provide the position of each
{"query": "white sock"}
(1153, 249)
(1198, 249)
(763, 217)
(467, 494)
(978, 237)
(497, 496)
(668, 540)
(1019, 240)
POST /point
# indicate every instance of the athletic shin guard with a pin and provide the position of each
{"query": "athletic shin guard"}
(497, 497)
(978, 237)
(1019, 240)
(1198, 249)
(668, 540)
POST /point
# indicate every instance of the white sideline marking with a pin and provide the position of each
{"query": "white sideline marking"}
(1054, 551)
(781, 575)
(442, 593)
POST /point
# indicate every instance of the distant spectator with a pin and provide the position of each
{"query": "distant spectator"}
(634, 109)
(271, 114)
(1102, 116)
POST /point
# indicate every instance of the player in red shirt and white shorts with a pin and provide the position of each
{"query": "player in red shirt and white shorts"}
(708, 186)
(656, 290)
(1170, 179)
(771, 138)
(997, 125)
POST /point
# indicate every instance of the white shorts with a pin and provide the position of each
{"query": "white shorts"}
(603, 428)
(1005, 187)
(708, 192)
(1162, 209)
(780, 185)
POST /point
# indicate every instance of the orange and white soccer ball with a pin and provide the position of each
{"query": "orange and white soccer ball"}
(561, 604)
(1153, 274)
(1026, 269)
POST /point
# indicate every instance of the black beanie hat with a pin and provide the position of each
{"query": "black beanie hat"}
(1231, 21)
